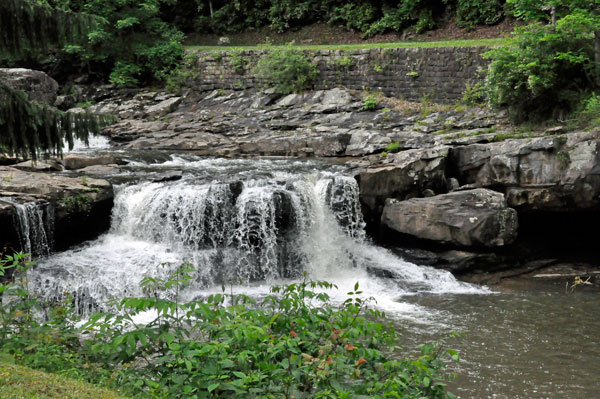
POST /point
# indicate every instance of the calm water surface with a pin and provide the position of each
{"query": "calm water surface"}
(528, 341)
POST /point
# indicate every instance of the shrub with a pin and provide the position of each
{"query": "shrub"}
(588, 113)
(474, 94)
(293, 342)
(479, 12)
(286, 70)
(542, 71)
(545, 69)
(369, 103)
(358, 17)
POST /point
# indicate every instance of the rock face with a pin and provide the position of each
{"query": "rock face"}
(407, 174)
(38, 86)
(540, 174)
(328, 123)
(477, 217)
(58, 210)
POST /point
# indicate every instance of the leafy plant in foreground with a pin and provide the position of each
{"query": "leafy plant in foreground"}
(292, 343)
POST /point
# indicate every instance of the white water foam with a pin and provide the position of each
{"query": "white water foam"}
(246, 234)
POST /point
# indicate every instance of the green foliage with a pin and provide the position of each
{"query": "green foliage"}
(239, 62)
(479, 12)
(28, 29)
(589, 114)
(545, 69)
(357, 17)
(79, 203)
(474, 94)
(286, 70)
(393, 147)
(369, 17)
(369, 103)
(28, 128)
(184, 75)
(130, 45)
(293, 342)
(344, 62)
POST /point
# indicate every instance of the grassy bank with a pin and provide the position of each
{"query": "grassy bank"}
(18, 382)
(445, 43)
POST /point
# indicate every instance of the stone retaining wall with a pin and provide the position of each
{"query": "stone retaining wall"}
(440, 73)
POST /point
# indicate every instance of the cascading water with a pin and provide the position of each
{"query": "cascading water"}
(240, 229)
(35, 222)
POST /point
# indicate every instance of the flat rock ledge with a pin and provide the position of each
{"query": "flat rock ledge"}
(71, 209)
(478, 217)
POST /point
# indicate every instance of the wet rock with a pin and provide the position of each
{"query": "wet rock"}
(39, 87)
(75, 162)
(79, 208)
(171, 175)
(477, 217)
(39, 166)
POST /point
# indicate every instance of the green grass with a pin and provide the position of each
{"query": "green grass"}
(18, 382)
(446, 43)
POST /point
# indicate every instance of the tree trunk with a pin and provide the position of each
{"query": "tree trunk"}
(210, 7)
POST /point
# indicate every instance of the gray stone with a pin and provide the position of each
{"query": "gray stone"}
(164, 107)
(477, 217)
(545, 173)
(72, 223)
(39, 166)
(39, 87)
(74, 161)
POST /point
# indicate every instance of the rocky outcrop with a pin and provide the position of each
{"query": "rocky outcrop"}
(405, 175)
(477, 217)
(538, 174)
(67, 210)
(328, 123)
(38, 86)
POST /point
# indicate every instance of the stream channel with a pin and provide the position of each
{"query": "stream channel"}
(251, 223)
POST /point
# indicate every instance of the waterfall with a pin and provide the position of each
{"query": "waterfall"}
(35, 223)
(247, 231)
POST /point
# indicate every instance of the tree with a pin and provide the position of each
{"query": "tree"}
(26, 128)
(129, 44)
(550, 65)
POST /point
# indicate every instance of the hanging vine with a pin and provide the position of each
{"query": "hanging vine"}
(26, 27)
(28, 128)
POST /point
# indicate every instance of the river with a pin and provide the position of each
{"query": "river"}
(250, 223)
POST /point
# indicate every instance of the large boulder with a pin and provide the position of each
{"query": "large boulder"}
(38, 86)
(476, 217)
(542, 174)
(408, 174)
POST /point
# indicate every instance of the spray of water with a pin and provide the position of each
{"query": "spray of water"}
(245, 234)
